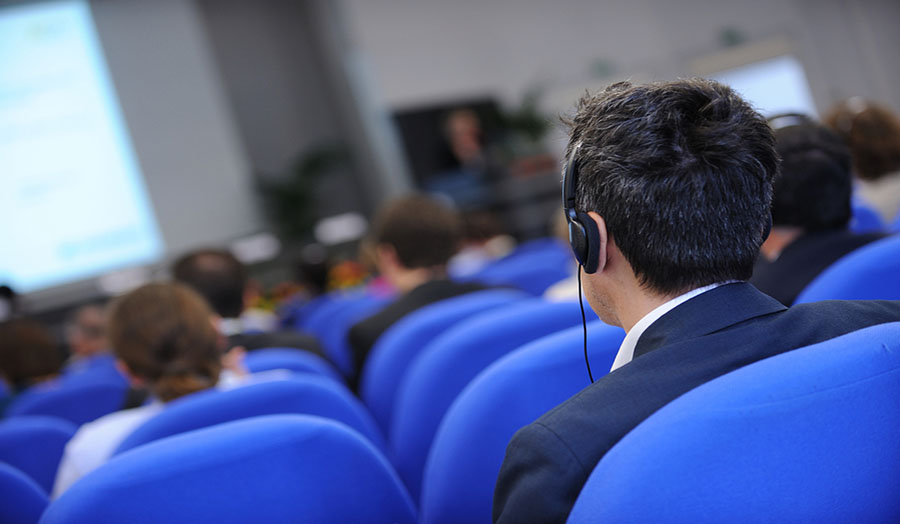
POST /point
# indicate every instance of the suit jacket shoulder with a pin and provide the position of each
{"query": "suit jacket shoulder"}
(706, 337)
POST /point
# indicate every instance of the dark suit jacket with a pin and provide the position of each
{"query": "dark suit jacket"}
(548, 462)
(276, 339)
(363, 334)
(802, 261)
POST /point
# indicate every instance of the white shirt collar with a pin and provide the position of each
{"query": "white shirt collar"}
(626, 350)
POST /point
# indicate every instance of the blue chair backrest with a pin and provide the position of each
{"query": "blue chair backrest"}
(468, 449)
(301, 313)
(322, 314)
(864, 219)
(98, 368)
(22, 500)
(34, 445)
(870, 272)
(805, 436)
(76, 401)
(447, 365)
(291, 359)
(302, 394)
(532, 273)
(277, 468)
(332, 332)
(398, 346)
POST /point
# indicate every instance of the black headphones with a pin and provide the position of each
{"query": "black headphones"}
(583, 235)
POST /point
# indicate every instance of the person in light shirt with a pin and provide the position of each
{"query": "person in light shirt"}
(672, 186)
(164, 338)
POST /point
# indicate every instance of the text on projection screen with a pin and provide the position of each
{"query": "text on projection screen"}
(72, 199)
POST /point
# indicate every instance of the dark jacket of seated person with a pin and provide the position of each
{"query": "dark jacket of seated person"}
(363, 334)
(810, 209)
(669, 184)
(223, 281)
(414, 237)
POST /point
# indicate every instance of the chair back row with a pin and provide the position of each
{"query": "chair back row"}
(805, 436)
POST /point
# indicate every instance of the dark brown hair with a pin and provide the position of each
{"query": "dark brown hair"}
(682, 174)
(424, 231)
(164, 334)
(27, 353)
(218, 276)
(873, 134)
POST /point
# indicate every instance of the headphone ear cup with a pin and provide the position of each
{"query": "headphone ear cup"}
(578, 241)
(585, 240)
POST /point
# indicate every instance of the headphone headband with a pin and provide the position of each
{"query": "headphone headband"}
(583, 235)
(570, 175)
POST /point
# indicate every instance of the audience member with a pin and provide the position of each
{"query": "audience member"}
(163, 339)
(484, 241)
(672, 185)
(222, 279)
(414, 236)
(873, 134)
(28, 355)
(86, 335)
(810, 209)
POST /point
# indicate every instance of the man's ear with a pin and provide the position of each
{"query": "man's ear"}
(133, 379)
(600, 224)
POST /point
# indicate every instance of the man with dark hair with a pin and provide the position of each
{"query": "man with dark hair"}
(414, 238)
(223, 281)
(810, 208)
(672, 186)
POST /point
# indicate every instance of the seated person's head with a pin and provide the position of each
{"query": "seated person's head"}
(873, 134)
(416, 234)
(678, 178)
(218, 276)
(813, 190)
(86, 331)
(28, 354)
(165, 340)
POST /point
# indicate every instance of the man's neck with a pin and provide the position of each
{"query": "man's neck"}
(406, 280)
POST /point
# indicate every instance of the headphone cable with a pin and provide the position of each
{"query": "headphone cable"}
(584, 326)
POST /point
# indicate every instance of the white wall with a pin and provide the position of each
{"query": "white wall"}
(180, 122)
(433, 50)
(191, 158)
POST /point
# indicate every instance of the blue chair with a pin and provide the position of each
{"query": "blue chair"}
(864, 219)
(277, 468)
(468, 449)
(450, 362)
(805, 436)
(870, 272)
(76, 401)
(322, 314)
(396, 348)
(532, 273)
(332, 333)
(295, 314)
(550, 246)
(98, 368)
(35, 445)
(302, 394)
(291, 359)
(21, 498)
